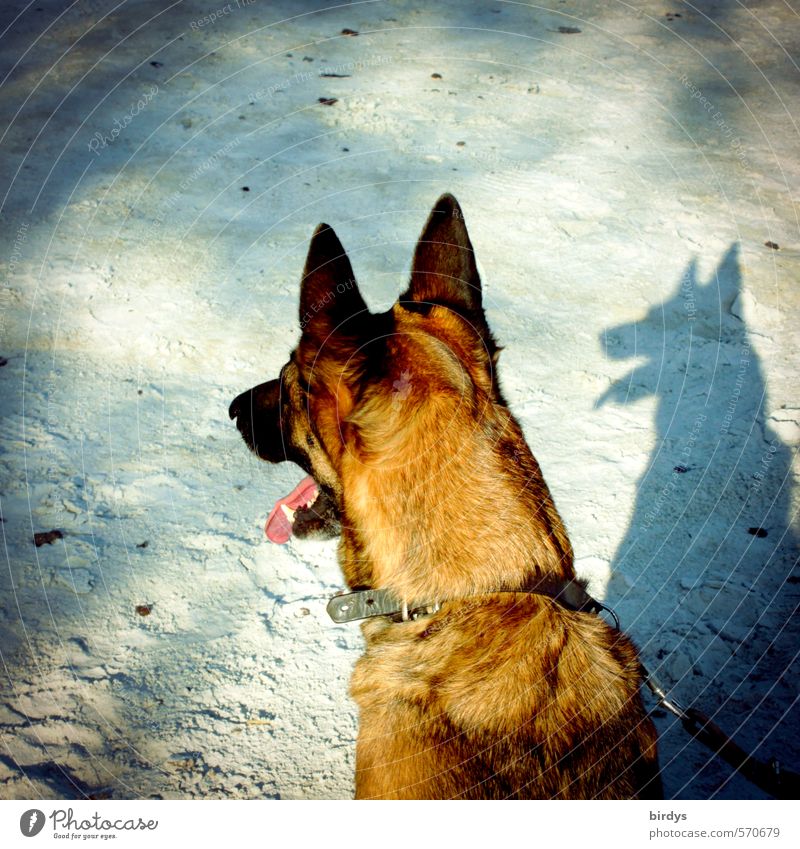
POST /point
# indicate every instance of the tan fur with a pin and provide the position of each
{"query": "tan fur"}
(455, 708)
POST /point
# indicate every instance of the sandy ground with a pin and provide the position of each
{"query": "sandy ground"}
(163, 167)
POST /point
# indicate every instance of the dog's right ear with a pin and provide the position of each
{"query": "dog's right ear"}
(331, 306)
(444, 270)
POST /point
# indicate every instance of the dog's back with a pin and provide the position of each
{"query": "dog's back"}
(510, 697)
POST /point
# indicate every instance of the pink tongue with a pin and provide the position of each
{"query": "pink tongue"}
(279, 528)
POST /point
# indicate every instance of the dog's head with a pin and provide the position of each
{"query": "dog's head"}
(357, 380)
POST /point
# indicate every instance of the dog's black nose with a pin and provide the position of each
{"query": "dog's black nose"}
(233, 410)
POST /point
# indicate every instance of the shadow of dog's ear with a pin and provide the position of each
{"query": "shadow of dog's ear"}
(331, 305)
(444, 270)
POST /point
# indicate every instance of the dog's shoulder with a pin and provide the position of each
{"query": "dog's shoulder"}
(497, 662)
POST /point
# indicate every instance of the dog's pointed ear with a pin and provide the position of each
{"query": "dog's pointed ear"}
(330, 302)
(444, 270)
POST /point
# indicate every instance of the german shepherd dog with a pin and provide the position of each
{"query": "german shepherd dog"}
(491, 689)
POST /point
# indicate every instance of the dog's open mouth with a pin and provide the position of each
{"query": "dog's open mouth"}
(282, 516)
(307, 511)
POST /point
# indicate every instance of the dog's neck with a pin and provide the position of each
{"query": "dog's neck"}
(447, 508)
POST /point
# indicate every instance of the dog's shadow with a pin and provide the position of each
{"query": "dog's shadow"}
(704, 574)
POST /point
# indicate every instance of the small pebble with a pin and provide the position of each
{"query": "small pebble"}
(47, 537)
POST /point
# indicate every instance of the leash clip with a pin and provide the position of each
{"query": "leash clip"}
(600, 606)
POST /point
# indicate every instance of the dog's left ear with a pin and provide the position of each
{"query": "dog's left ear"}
(334, 320)
(444, 270)
(331, 306)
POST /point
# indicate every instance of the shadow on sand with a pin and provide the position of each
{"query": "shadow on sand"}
(711, 529)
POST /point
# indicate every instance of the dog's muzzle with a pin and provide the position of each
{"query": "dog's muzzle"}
(257, 416)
